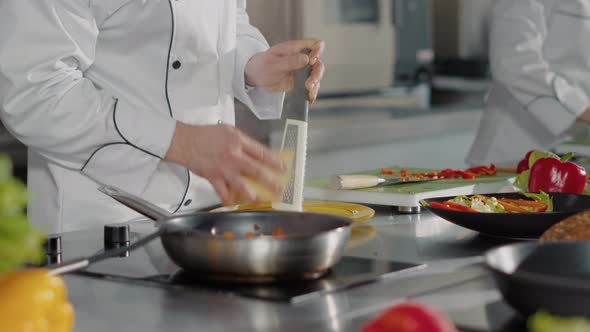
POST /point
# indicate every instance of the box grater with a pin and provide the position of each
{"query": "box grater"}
(295, 140)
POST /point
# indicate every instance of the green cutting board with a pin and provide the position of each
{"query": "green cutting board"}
(408, 194)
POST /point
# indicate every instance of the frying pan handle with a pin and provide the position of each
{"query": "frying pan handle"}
(71, 266)
(136, 203)
(82, 263)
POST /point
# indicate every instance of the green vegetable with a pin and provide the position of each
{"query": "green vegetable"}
(543, 197)
(544, 322)
(5, 167)
(522, 180)
(20, 242)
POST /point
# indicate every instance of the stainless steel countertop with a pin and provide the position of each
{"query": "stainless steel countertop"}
(454, 281)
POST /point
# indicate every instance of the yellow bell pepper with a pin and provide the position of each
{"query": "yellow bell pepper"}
(34, 301)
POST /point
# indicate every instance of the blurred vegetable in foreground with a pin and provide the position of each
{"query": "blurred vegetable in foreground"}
(34, 301)
(544, 322)
(20, 243)
(410, 317)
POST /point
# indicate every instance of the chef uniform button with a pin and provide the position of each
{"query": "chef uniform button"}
(188, 202)
(176, 64)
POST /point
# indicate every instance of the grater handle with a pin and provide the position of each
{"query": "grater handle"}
(299, 94)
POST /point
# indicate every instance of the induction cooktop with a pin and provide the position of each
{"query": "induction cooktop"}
(151, 266)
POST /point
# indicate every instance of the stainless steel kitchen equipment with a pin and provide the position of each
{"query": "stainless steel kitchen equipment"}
(218, 245)
(78, 264)
(150, 266)
(461, 36)
(295, 140)
(360, 35)
(365, 45)
(414, 42)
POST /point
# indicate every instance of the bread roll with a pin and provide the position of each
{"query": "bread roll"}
(574, 228)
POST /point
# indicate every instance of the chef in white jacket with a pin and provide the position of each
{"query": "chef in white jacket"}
(138, 94)
(540, 60)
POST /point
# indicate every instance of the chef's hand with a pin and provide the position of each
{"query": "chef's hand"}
(585, 117)
(274, 69)
(223, 155)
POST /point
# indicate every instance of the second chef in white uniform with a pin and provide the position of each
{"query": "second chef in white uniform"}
(138, 94)
(540, 58)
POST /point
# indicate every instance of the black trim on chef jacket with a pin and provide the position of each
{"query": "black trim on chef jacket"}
(172, 34)
(96, 151)
(125, 141)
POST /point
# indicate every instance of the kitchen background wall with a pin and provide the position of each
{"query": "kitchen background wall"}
(431, 94)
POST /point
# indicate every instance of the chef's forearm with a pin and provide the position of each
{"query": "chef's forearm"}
(178, 145)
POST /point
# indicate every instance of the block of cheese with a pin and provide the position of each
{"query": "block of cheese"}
(262, 192)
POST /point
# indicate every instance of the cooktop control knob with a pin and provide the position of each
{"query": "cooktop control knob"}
(52, 245)
(116, 236)
(53, 250)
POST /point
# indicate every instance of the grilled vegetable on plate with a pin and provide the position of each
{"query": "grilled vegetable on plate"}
(496, 215)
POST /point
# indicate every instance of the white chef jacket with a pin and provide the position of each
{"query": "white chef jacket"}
(94, 88)
(540, 62)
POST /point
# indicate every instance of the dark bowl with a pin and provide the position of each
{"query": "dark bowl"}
(515, 225)
(535, 276)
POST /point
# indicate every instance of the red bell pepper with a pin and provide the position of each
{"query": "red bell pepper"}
(451, 206)
(554, 175)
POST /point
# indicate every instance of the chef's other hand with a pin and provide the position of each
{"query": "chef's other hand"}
(224, 155)
(274, 69)
(585, 117)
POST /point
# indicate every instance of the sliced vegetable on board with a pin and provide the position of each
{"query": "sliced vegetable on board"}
(448, 173)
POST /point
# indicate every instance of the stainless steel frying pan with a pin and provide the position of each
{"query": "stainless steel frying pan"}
(312, 243)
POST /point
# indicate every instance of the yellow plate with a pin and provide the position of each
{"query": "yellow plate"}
(355, 212)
